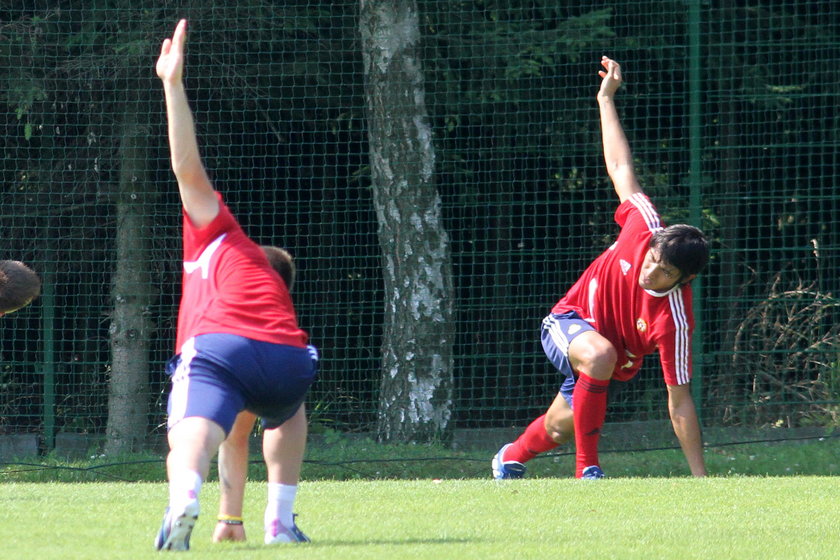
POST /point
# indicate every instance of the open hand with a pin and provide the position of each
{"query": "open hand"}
(611, 75)
(170, 64)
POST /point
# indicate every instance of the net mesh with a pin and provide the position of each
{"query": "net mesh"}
(730, 108)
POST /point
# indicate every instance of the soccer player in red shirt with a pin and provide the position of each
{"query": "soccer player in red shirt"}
(632, 300)
(239, 352)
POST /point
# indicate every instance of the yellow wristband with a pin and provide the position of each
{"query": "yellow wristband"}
(230, 519)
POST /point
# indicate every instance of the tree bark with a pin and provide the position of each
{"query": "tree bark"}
(131, 326)
(415, 403)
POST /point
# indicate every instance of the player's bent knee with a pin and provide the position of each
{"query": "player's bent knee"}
(596, 357)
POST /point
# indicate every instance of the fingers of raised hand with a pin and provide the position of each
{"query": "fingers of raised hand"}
(179, 36)
(612, 68)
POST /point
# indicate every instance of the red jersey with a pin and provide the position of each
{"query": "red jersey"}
(637, 321)
(230, 287)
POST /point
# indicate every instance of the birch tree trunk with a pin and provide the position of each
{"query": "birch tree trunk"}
(415, 402)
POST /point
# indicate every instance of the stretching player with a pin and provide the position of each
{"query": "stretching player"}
(632, 300)
(238, 345)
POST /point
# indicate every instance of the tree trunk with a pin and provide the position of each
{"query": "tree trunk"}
(415, 403)
(131, 327)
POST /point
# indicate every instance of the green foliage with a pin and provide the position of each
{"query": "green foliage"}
(277, 89)
(483, 60)
(785, 353)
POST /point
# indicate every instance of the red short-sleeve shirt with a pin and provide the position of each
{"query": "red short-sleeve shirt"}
(635, 320)
(230, 287)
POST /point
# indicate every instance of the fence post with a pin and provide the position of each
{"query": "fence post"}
(696, 187)
(48, 361)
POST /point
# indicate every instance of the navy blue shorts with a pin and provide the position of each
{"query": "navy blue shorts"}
(216, 376)
(556, 334)
(558, 331)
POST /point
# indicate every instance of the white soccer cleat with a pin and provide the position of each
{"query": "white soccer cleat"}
(277, 533)
(592, 472)
(176, 528)
(505, 470)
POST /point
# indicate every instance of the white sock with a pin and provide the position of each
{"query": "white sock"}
(281, 502)
(184, 488)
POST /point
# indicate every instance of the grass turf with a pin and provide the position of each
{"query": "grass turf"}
(623, 518)
(347, 459)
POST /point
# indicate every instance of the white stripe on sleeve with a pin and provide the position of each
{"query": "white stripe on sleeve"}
(682, 340)
(648, 211)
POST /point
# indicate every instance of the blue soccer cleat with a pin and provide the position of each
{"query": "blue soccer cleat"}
(592, 472)
(504, 470)
(277, 533)
(175, 530)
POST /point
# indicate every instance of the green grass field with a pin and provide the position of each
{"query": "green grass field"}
(622, 518)
(359, 499)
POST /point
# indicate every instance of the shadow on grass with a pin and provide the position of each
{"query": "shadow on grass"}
(323, 543)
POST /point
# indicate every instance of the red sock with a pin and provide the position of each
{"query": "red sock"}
(589, 403)
(533, 441)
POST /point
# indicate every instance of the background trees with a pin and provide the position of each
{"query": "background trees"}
(508, 87)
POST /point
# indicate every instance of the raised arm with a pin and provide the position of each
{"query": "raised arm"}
(197, 193)
(617, 155)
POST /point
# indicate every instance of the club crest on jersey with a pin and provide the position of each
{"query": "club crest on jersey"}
(641, 325)
(625, 266)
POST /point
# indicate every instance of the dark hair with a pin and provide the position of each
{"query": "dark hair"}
(19, 285)
(281, 261)
(682, 246)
